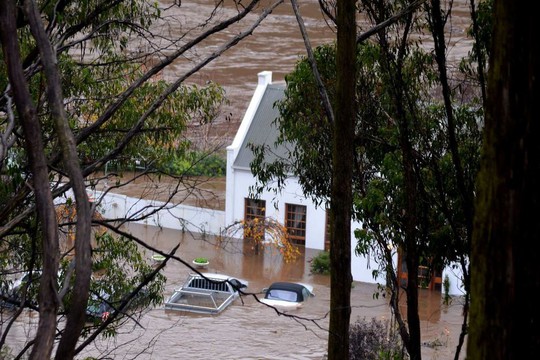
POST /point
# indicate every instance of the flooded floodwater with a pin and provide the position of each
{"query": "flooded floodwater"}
(276, 45)
(248, 329)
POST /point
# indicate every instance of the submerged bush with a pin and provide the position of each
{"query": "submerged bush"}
(446, 284)
(375, 340)
(320, 264)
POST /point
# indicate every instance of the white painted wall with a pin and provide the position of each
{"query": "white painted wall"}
(316, 217)
(264, 79)
(455, 276)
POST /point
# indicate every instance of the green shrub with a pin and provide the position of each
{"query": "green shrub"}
(375, 340)
(201, 260)
(320, 264)
(5, 353)
(446, 284)
(196, 164)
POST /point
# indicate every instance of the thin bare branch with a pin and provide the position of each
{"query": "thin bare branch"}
(309, 49)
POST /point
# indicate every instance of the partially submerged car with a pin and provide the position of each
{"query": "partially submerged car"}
(287, 295)
(208, 293)
(98, 307)
(101, 306)
(12, 291)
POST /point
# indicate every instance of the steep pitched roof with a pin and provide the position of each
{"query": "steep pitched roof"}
(262, 130)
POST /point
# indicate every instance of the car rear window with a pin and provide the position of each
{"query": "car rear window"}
(276, 294)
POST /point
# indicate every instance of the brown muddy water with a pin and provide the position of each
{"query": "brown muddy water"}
(276, 45)
(248, 329)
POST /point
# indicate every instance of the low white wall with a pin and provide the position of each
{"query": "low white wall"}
(180, 217)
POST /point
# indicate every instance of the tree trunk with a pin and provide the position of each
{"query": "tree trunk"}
(48, 300)
(83, 262)
(341, 200)
(504, 321)
(411, 235)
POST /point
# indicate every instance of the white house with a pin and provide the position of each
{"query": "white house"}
(306, 222)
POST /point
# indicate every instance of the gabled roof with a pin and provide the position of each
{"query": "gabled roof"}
(262, 129)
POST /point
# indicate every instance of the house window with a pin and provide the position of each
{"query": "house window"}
(295, 222)
(254, 209)
(428, 276)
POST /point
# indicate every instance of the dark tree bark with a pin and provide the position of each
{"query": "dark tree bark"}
(48, 300)
(341, 200)
(83, 261)
(504, 321)
(411, 218)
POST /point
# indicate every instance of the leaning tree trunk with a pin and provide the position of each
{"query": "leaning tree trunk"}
(504, 322)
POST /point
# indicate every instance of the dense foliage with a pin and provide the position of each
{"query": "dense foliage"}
(194, 164)
(378, 180)
(84, 91)
(418, 135)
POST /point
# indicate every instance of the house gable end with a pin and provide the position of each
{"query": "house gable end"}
(262, 130)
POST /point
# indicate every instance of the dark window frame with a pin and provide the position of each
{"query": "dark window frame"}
(254, 209)
(296, 223)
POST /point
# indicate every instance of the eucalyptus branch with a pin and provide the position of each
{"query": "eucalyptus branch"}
(413, 6)
(309, 49)
(173, 87)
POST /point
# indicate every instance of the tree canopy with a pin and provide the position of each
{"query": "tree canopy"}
(418, 132)
(85, 96)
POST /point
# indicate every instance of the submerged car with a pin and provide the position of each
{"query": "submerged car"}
(103, 303)
(287, 295)
(98, 307)
(206, 293)
(12, 290)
